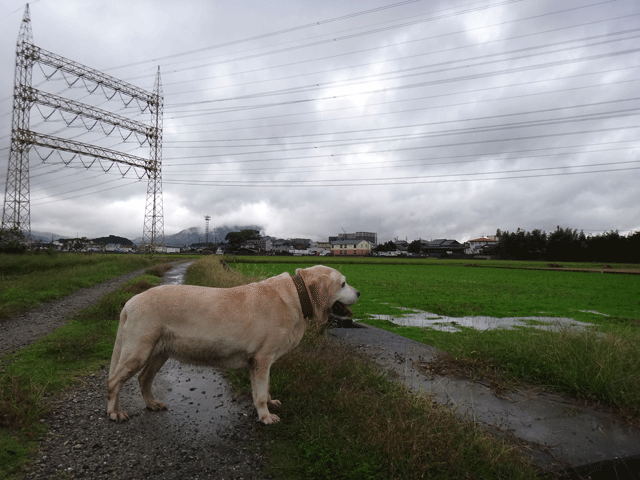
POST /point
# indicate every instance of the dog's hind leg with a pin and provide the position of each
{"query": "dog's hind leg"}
(129, 363)
(153, 366)
(259, 373)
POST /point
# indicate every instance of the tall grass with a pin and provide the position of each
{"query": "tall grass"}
(343, 419)
(599, 367)
(212, 271)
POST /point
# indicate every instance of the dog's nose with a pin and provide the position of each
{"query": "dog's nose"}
(357, 294)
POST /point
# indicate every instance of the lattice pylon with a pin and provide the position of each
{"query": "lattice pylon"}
(16, 215)
(153, 230)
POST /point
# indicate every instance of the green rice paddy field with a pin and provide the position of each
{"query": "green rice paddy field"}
(598, 364)
(457, 290)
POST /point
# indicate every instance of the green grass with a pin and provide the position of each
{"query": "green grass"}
(343, 419)
(494, 292)
(598, 364)
(49, 366)
(505, 264)
(26, 281)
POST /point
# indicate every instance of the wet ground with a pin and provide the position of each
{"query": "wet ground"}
(557, 432)
(418, 318)
(199, 398)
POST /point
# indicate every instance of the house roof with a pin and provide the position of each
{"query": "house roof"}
(483, 239)
(442, 242)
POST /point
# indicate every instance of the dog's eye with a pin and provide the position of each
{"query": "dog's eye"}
(344, 284)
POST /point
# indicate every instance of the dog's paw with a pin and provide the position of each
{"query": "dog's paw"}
(119, 416)
(269, 419)
(155, 405)
(274, 403)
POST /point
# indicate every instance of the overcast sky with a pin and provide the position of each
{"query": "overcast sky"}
(412, 119)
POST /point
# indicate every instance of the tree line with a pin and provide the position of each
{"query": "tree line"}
(565, 244)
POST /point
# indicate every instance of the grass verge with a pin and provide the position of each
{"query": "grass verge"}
(35, 373)
(343, 419)
(599, 367)
(26, 281)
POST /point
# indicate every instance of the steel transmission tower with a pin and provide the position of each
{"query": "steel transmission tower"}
(16, 211)
(153, 231)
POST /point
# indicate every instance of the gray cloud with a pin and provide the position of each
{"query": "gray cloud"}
(428, 119)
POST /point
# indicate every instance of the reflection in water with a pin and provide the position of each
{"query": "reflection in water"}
(417, 318)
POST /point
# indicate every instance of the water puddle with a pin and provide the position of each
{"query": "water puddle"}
(199, 399)
(413, 318)
(175, 276)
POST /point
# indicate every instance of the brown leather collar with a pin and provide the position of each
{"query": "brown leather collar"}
(303, 294)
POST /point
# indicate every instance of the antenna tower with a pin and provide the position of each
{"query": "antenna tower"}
(206, 229)
(16, 211)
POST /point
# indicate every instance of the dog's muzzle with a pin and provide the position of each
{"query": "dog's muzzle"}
(341, 311)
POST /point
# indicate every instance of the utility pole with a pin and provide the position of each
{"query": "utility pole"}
(206, 229)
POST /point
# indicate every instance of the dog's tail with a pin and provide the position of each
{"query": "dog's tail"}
(117, 347)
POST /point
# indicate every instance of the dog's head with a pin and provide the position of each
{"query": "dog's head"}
(328, 291)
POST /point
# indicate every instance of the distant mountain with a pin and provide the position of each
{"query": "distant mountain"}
(193, 235)
(44, 237)
(184, 237)
(112, 239)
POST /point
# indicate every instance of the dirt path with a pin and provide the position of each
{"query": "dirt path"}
(27, 328)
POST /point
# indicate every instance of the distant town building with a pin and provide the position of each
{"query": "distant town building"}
(477, 245)
(441, 247)
(350, 247)
(370, 237)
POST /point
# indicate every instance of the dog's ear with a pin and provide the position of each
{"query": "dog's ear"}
(318, 286)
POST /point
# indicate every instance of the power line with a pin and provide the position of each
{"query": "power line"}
(371, 78)
(377, 114)
(382, 182)
(530, 123)
(396, 164)
(335, 155)
(317, 23)
(378, 48)
(431, 83)
(82, 195)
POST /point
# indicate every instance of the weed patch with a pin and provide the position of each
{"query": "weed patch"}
(211, 272)
(159, 270)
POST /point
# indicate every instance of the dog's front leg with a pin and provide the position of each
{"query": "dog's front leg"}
(259, 373)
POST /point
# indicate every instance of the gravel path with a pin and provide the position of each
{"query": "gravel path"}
(206, 433)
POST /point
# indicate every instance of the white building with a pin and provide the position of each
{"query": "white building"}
(477, 244)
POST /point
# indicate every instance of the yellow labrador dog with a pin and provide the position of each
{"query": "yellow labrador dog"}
(247, 326)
